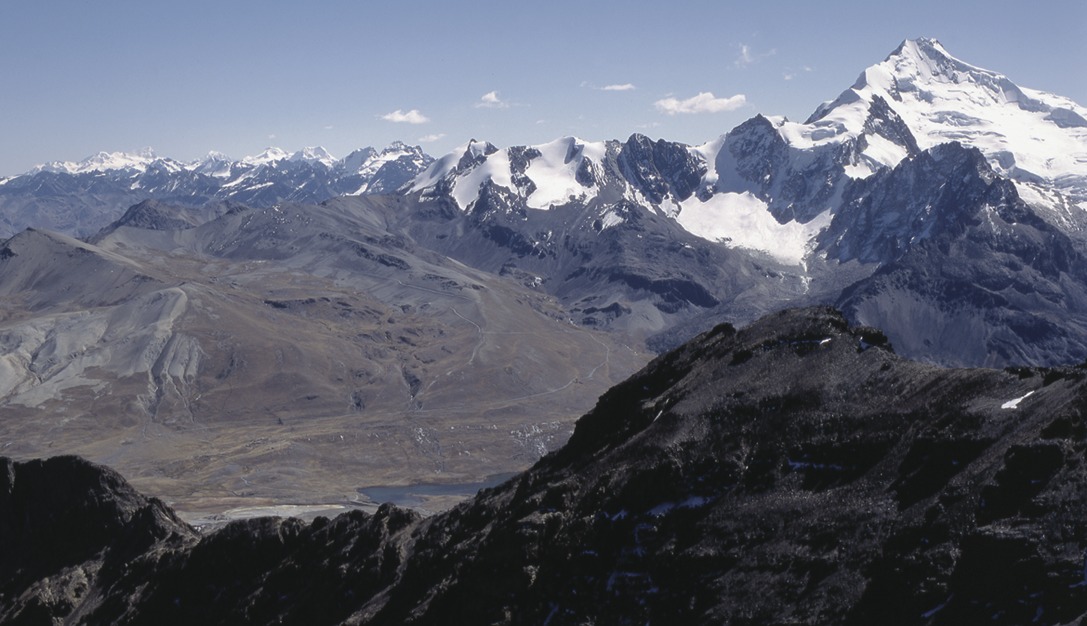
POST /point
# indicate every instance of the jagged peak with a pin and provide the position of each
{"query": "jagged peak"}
(358, 159)
(400, 146)
(759, 123)
(476, 148)
(924, 49)
(369, 160)
(921, 61)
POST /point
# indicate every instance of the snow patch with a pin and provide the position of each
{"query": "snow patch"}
(883, 152)
(1014, 404)
(610, 218)
(692, 502)
(707, 153)
(742, 220)
(554, 172)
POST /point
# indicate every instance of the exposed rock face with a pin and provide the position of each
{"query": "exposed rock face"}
(969, 274)
(68, 530)
(796, 471)
(660, 168)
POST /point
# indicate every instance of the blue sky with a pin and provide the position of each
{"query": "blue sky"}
(186, 77)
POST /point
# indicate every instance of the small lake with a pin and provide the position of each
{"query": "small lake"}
(410, 496)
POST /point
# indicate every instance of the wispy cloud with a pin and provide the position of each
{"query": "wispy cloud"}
(431, 138)
(406, 117)
(791, 74)
(748, 56)
(745, 57)
(704, 102)
(490, 100)
(611, 87)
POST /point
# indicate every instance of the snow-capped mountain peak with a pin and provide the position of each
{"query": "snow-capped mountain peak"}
(544, 175)
(101, 162)
(556, 170)
(270, 155)
(1028, 135)
(316, 154)
(922, 70)
(383, 171)
(367, 159)
(214, 164)
(214, 156)
(449, 166)
(358, 159)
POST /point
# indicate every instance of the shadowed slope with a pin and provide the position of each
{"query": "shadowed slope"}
(795, 471)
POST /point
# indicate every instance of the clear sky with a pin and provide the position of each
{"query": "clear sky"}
(189, 76)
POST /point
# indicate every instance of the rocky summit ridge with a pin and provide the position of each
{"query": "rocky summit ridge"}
(793, 471)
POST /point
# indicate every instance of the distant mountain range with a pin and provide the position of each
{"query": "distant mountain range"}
(80, 198)
(917, 98)
(460, 312)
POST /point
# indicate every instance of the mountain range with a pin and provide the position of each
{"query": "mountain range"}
(228, 331)
(80, 198)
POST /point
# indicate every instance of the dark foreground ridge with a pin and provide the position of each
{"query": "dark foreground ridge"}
(795, 471)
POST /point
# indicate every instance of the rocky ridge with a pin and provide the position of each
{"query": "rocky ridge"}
(793, 471)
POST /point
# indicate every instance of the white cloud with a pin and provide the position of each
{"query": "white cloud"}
(410, 117)
(704, 102)
(490, 100)
(329, 127)
(611, 87)
(430, 138)
(748, 56)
